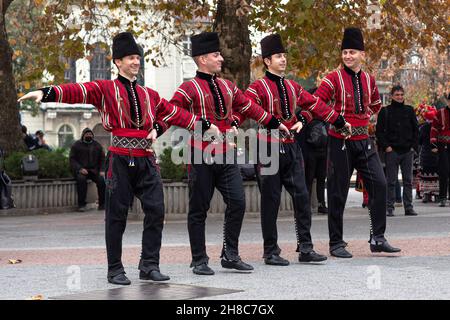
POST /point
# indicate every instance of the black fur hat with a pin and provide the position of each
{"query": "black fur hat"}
(205, 42)
(125, 45)
(353, 39)
(271, 44)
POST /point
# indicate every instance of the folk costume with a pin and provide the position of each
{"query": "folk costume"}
(217, 100)
(289, 102)
(428, 160)
(129, 111)
(354, 96)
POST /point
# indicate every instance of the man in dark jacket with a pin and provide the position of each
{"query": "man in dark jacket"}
(86, 160)
(313, 140)
(398, 133)
(28, 139)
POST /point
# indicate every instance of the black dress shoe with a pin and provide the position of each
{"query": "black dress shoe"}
(383, 247)
(311, 257)
(390, 213)
(153, 275)
(426, 198)
(238, 265)
(322, 209)
(341, 252)
(276, 260)
(120, 278)
(410, 212)
(203, 270)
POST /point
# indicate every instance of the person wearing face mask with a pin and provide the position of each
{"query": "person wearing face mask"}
(86, 161)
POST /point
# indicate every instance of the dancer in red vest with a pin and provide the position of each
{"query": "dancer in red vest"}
(292, 105)
(354, 95)
(219, 101)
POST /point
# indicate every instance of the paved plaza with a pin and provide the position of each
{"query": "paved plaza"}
(63, 256)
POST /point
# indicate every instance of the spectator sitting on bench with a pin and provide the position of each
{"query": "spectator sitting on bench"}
(86, 161)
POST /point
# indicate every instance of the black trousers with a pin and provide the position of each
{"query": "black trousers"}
(82, 188)
(122, 184)
(316, 168)
(343, 157)
(291, 175)
(444, 170)
(203, 179)
(395, 160)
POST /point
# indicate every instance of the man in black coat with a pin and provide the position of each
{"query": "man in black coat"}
(86, 161)
(397, 133)
(28, 139)
(40, 141)
(313, 140)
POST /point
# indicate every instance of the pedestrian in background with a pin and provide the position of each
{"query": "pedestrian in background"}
(440, 139)
(397, 133)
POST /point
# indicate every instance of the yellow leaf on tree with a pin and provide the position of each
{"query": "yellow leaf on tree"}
(26, 85)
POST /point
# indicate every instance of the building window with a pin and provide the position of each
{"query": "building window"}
(100, 65)
(65, 136)
(70, 75)
(187, 46)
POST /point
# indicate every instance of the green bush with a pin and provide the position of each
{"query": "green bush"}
(169, 170)
(52, 164)
(12, 165)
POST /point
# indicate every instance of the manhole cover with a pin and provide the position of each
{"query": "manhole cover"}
(149, 291)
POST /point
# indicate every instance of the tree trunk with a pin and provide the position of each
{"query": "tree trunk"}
(231, 23)
(10, 132)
